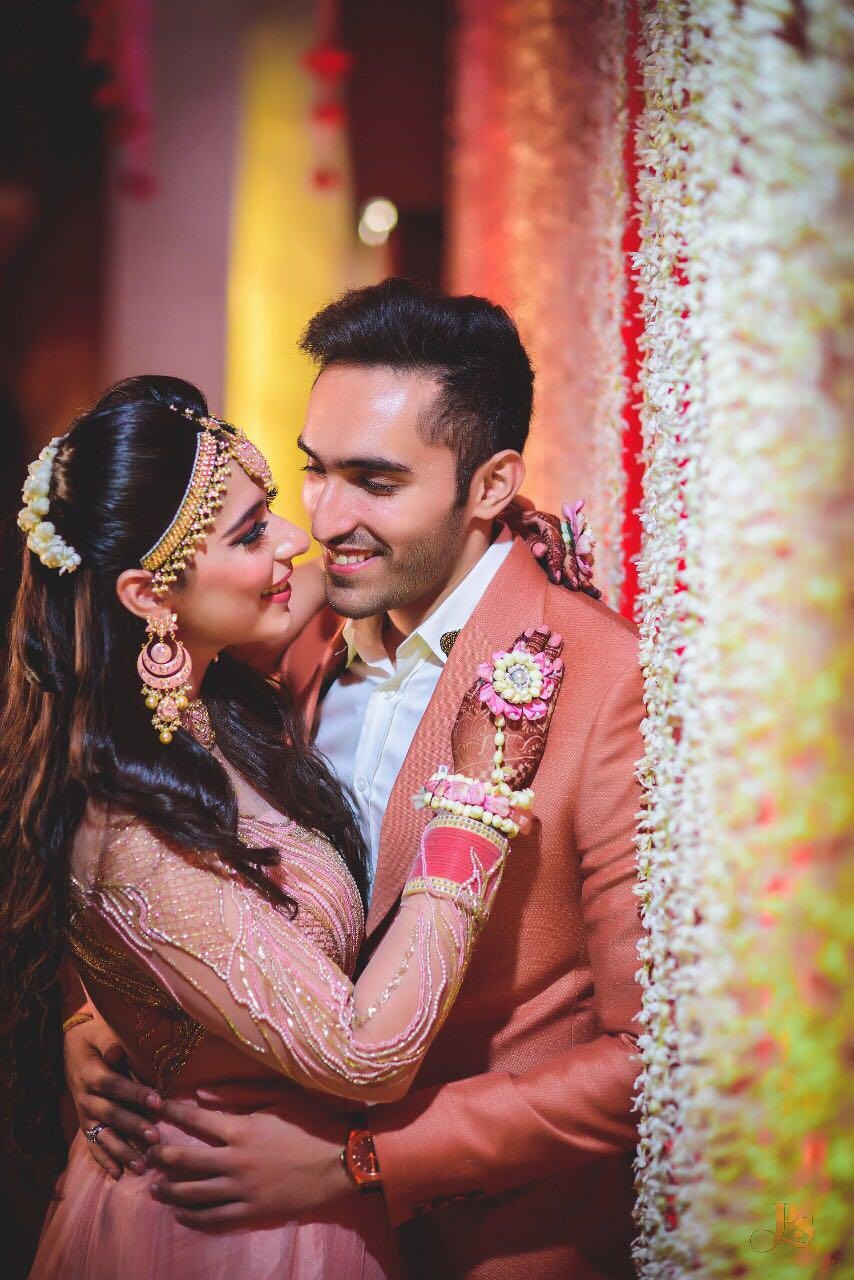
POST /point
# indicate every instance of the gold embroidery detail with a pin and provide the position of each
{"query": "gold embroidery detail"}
(112, 968)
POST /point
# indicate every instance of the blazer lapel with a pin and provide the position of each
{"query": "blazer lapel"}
(331, 664)
(514, 600)
(314, 659)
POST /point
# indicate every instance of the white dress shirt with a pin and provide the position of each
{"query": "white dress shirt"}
(367, 720)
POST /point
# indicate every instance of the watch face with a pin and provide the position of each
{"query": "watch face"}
(361, 1158)
(364, 1156)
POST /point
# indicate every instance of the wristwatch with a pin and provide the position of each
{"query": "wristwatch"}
(359, 1159)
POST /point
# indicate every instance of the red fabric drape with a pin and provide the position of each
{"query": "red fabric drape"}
(632, 330)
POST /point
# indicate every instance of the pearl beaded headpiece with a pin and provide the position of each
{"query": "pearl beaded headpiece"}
(216, 445)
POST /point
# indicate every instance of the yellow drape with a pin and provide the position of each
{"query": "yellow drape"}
(294, 247)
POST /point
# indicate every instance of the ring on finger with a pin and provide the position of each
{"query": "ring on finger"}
(91, 1135)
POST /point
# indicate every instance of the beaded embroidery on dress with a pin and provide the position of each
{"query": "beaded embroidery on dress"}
(191, 968)
(329, 914)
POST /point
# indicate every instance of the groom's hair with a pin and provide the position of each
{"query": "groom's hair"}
(471, 346)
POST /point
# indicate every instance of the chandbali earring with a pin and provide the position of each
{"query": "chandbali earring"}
(164, 667)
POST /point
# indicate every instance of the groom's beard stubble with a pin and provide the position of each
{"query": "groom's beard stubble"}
(414, 572)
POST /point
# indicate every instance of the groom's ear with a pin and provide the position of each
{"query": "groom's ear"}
(495, 484)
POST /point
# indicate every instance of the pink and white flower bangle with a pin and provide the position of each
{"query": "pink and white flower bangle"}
(493, 804)
(516, 683)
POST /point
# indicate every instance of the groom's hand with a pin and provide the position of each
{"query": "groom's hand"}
(257, 1170)
(102, 1095)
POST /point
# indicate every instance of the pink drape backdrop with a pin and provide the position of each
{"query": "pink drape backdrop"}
(538, 206)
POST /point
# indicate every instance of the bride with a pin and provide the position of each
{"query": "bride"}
(165, 824)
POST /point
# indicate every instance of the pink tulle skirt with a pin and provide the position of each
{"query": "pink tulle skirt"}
(100, 1229)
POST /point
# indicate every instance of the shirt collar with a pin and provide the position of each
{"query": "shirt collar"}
(363, 636)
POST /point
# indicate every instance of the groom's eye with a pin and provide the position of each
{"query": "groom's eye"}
(383, 488)
(378, 486)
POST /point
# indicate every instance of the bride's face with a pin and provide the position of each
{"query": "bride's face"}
(236, 590)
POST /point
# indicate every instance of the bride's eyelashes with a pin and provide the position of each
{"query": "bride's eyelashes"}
(254, 538)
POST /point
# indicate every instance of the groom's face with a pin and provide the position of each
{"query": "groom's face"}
(380, 495)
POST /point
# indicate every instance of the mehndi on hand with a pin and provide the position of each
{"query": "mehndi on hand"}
(498, 741)
(563, 545)
(519, 688)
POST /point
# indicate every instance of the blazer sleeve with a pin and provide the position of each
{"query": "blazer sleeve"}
(495, 1131)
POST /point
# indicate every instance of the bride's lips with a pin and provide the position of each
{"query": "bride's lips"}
(280, 592)
(332, 565)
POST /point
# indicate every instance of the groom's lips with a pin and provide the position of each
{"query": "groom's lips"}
(359, 559)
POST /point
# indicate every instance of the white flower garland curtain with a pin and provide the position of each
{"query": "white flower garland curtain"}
(743, 255)
(744, 1162)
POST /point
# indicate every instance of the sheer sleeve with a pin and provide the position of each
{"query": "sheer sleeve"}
(240, 967)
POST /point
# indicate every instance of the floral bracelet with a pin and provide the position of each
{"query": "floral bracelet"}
(494, 804)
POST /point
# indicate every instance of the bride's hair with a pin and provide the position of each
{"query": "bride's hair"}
(74, 726)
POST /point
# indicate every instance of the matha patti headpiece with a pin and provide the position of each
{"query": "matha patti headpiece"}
(217, 444)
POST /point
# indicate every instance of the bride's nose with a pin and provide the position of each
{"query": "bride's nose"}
(290, 540)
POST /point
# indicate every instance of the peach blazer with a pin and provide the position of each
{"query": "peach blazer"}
(511, 1157)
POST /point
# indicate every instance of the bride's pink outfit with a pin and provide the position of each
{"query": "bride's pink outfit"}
(204, 981)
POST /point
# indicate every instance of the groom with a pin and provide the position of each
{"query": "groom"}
(512, 1155)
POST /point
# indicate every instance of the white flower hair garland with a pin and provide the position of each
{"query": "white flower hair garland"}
(42, 538)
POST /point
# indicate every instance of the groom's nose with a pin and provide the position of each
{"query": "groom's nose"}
(335, 513)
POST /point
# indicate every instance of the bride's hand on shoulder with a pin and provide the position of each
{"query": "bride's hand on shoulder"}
(508, 709)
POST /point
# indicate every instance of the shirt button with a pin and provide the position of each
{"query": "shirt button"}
(389, 694)
(361, 784)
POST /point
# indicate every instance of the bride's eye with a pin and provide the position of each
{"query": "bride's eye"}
(253, 539)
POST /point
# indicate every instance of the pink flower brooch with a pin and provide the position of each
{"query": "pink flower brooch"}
(518, 684)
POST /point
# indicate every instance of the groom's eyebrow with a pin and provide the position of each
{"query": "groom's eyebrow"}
(369, 462)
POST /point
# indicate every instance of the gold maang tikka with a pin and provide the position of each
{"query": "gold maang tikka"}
(164, 664)
(217, 445)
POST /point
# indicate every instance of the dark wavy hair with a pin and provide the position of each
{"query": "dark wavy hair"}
(75, 727)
